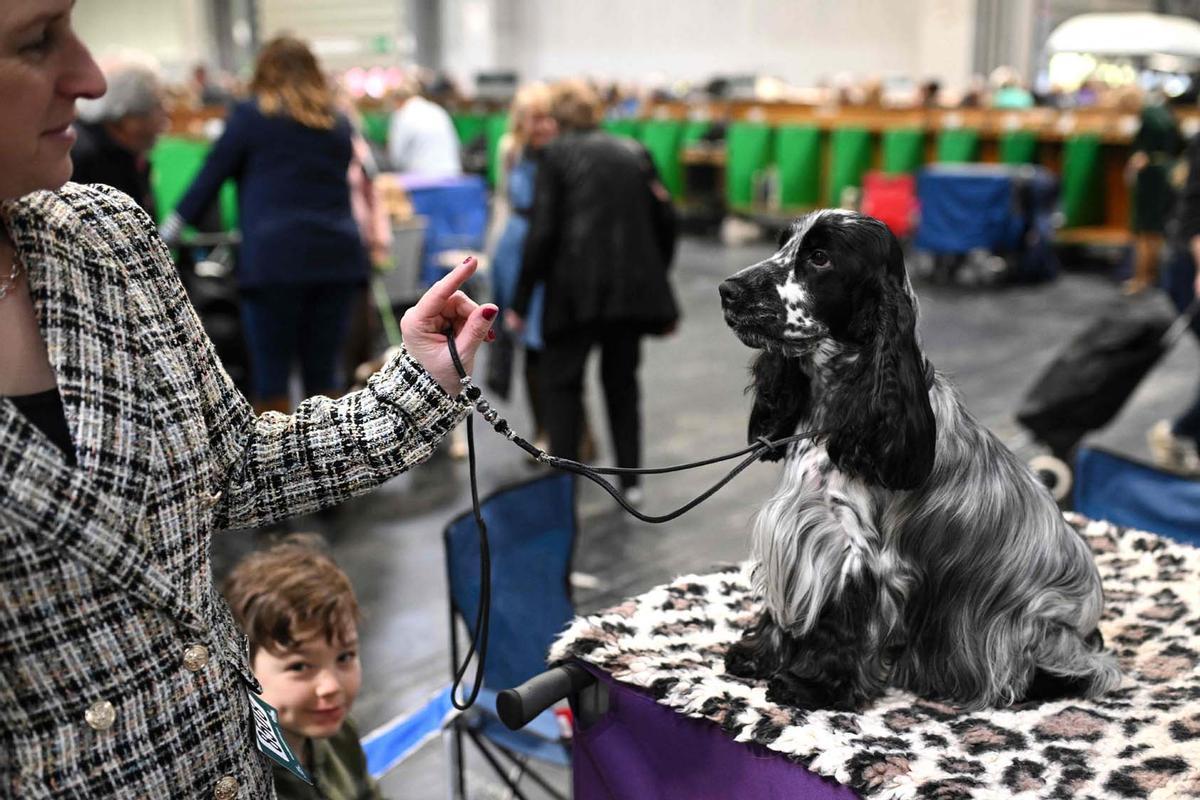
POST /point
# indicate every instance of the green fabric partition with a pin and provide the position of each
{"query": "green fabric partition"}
(957, 145)
(469, 126)
(1082, 181)
(798, 158)
(375, 126)
(747, 151)
(1018, 147)
(496, 126)
(174, 162)
(663, 138)
(622, 127)
(849, 159)
(903, 150)
(694, 130)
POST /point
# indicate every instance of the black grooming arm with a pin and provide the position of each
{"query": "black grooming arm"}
(519, 706)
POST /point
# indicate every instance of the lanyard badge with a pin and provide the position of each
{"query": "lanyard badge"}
(268, 737)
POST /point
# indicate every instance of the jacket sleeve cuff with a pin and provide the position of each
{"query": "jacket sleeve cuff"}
(404, 384)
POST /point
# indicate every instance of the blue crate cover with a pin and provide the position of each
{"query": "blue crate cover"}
(966, 207)
(457, 211)
(1117, 489)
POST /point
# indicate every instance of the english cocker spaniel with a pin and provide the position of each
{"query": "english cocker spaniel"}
(905, 546)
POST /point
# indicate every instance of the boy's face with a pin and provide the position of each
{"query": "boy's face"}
(312, 684)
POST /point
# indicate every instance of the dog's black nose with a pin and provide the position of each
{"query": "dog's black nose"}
(730, 291)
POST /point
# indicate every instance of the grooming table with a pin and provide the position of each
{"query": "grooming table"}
(678, 727)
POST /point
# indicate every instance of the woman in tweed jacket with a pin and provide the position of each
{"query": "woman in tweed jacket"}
(122, 673)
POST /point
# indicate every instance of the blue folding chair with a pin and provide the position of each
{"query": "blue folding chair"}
(1120, 490)
(531, 532)
(397, 739)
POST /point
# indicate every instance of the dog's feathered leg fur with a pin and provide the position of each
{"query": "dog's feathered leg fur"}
(830, 617)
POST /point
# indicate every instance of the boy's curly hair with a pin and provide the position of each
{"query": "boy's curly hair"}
(290, 593)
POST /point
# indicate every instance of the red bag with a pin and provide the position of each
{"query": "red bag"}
(892, 199)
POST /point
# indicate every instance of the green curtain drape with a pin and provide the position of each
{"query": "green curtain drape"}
(798, 157)
(849, 159)
(1082, 181)
(174, 162)
(903, 150)
(958, 145)
(747, 151)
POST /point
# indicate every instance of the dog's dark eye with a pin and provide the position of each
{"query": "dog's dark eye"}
(818, 258)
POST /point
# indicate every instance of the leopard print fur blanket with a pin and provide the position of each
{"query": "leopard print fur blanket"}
(1141, 741)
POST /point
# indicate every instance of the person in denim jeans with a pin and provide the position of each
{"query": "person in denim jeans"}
(302, 263)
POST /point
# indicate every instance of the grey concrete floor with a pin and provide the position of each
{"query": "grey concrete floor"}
(993, 342)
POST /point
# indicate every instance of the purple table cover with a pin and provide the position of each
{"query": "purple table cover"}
(647, 751)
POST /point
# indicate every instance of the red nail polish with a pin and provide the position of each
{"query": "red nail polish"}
(491, 337)
(489, 313)
(467, 260)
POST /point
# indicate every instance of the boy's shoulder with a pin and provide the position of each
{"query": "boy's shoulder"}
(345, 744)
(339, 767)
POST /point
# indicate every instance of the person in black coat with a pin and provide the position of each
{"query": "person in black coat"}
(601, 238)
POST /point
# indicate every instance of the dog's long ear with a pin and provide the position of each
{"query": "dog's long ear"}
(781, 399)
(882, 425)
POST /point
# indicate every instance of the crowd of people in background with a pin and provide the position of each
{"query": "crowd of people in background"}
(546, 185)
(1003, 88)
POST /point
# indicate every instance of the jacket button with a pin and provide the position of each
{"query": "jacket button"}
(101, 715)
(195, 658)
(226, 788)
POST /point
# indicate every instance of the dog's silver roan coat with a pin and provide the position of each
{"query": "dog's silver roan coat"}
(949, 571)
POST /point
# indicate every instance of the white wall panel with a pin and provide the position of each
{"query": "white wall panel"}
(175, 32)
(343, 32)
(799, 40)
(945, 38)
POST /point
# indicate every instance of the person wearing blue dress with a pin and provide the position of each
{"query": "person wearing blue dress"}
(530, 129)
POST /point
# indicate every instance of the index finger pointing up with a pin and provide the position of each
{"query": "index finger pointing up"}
(436, 297)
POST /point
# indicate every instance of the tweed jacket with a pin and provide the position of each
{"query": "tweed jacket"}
(122, 673)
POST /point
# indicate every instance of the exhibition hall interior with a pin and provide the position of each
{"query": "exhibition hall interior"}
(906, 290)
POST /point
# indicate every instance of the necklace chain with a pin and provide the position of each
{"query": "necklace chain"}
(14, 272)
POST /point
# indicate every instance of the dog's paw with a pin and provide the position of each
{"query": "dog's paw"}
(741, 661)
(787, 690)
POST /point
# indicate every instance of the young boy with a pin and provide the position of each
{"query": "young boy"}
(299, 611)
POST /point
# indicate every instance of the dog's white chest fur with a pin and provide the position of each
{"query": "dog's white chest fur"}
(817, 531)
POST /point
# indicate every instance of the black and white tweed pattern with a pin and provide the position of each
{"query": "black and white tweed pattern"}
(104, 567)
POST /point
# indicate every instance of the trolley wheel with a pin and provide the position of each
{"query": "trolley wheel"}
(1054, 474)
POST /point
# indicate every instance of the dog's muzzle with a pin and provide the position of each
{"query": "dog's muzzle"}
(731, 292)
(733, 300)
(749, 319)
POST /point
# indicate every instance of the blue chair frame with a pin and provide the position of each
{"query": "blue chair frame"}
(531, 532)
